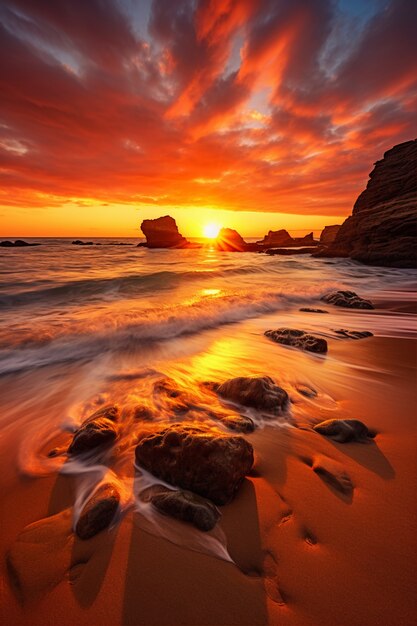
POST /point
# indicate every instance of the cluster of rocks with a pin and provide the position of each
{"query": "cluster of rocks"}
(298, 339)
(19, 243)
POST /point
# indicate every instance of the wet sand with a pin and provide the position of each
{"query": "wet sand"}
(319, 533)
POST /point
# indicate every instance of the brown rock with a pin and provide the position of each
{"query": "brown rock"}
(260, 393)
(382, 229)
(354, 334)
(277, 238)
(187, 507)
(347, 299)
(197, 458)
(163, 233)
(298, 339)
(98, 512)
(93, 434)
(328, 234)
(344, 430)
(307, 310)
(229, 240)
(110, 412)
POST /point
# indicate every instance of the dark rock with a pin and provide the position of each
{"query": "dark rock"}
(347, 299)
(93, 434)
(110, 412)
(163, 233)
(197, 458)
(98, 513)
(78, 242)
(306, 390)
(344, 430)
(19, 243)
(298, 339)
(277, 238)
(328, 234)
(382, 229)
(237, 423)
(187, 507)
(307, 310)
(229, 240)
(354, 334)
(260, 393)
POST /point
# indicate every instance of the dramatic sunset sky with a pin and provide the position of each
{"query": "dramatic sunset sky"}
(249, 113)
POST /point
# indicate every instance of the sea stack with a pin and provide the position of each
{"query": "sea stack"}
(382, 229)
(163, 233)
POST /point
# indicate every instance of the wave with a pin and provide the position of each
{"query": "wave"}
(148, 326)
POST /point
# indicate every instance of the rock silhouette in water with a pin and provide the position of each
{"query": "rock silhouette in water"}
(347, 299)
(197, 458)
(382, 229)
(298, 339)
(328, 234)
(163, 233)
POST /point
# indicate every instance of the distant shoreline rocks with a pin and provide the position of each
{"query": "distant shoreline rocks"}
(19, 243)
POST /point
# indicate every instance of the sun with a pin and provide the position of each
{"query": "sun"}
(211, 231)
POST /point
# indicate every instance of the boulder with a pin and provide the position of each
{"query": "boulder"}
(99, 511)
(382, 229)
(354, 334)
(260, 393)
(229, 240)
(328, 234)
(197, 458)
(93, 434)
(78, 242)
(298, 339)
(187, 507)
(344, 430)
(347, 299)
(308, 310)
(163, 233)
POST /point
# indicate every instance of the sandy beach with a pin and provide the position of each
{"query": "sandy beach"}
(320, 532)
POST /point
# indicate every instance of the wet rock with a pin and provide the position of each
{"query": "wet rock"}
(93, 434)
(347, 299)
(344, 430)
(187, 507)
(176, 399)
(197, 458)
(354, 334)
(110, 412)
(307, 310)
(143, 413)
(163, 233)
(237, 423)
(260, 393)
(298, 339)
(98, 513)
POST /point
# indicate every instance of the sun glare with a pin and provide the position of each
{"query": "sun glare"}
(211, 231)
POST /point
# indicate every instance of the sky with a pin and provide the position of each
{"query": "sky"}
(252, 114)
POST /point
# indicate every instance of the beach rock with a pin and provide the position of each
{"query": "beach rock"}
(187, 507)
(328, 234)
(19, 243)
(277, 238)
(229, 240)
(354, 334)
(110, 412)
(298, 339)
(99, 511)
(260, 393)
(347, 299)
(306, 390)
(237, 423)
(344, 430)
(197, 458)
(163, 233)
(78, 242)
(307, 240)
(93, 434)
(382, 229)
(307, 310)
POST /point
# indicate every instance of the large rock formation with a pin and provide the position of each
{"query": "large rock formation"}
(229, 240)
(163, 233)
(328, 234)
(276, 238)
(382, 229)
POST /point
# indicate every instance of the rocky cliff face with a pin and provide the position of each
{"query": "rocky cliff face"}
(382, 229)
(163, 233)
